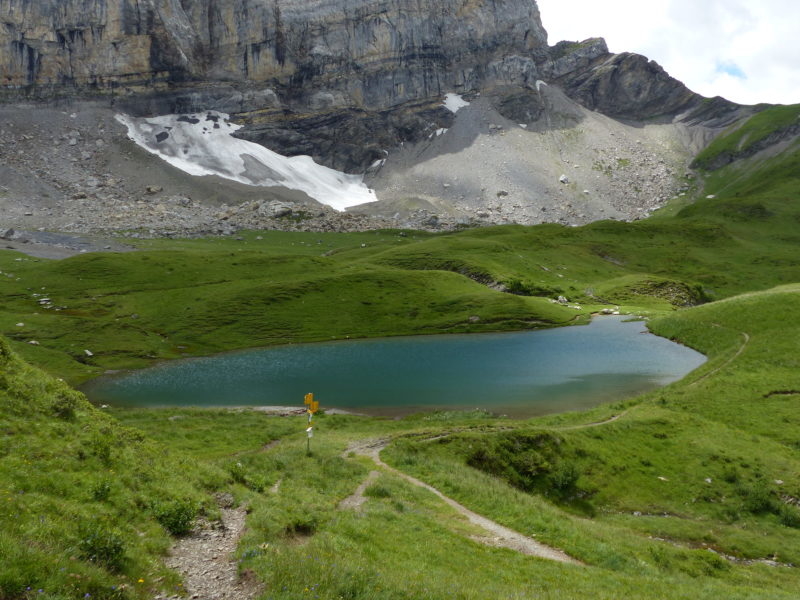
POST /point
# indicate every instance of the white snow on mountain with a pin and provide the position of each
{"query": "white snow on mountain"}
(454, 102)
(203, 144)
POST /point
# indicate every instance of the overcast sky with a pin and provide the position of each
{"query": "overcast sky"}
(745, 50)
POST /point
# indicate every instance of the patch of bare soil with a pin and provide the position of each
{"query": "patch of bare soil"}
(498, 535)
(357, 498)
(205, 561)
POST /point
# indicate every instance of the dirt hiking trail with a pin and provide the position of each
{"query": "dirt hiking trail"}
(499, 535)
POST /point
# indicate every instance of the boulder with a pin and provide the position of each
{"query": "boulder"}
(275, 209)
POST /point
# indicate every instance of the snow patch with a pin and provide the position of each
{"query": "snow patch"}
(203, 144)
(454, 102)
(539, 84)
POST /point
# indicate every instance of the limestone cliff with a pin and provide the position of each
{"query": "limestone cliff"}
(363, 53)
(341, 80)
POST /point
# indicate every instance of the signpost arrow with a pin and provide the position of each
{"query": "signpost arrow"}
(312, 406)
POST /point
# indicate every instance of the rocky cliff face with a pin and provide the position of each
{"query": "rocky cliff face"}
(312, 76)
(363, 53)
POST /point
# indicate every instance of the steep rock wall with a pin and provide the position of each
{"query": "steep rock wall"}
(364, 53)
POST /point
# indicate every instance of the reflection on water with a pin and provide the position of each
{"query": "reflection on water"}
(520, 374)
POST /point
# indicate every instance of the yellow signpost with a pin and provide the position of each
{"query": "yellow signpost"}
(312, 406)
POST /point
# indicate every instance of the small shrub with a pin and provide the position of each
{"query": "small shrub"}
(5, 352)
(238, 473)
(65, 404)
(757, 499)
(564, 476)
(789, 516)
(101, 490)
(100, 447)
(731, 475)
(176, 516)
(257, 483)
(102, 546)
(303, 525)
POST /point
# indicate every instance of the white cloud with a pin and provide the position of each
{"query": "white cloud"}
(692, 40)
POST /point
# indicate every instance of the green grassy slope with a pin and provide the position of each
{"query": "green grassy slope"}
(677, 498)
(742, 138)
(596, 492)
(86, 505)
(203, 297)
(128, 309)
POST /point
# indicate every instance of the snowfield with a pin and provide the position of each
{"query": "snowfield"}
(454, 102)
(203, 144)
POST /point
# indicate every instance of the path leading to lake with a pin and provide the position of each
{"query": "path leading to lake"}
(498, 535)
(589, 425)
(205, 560)
(726, 363)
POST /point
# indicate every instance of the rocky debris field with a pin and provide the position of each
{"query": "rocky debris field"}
(571, 166)
(72, 169)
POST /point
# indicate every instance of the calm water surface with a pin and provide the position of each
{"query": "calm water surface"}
(519, 374)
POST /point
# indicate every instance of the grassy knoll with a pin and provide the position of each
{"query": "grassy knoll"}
(709, 463)
(129, 309)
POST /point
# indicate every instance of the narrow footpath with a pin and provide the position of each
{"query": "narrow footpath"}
(498, 535)
(206, 562)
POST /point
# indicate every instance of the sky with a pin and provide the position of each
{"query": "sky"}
(747, 51)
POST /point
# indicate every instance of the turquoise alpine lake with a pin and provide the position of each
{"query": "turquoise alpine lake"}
(518, 374)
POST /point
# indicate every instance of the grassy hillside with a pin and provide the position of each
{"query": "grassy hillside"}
(744, 139)
(676, 498)
(204, 297)
(86, 505)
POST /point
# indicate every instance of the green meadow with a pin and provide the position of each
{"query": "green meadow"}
(689, 491)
